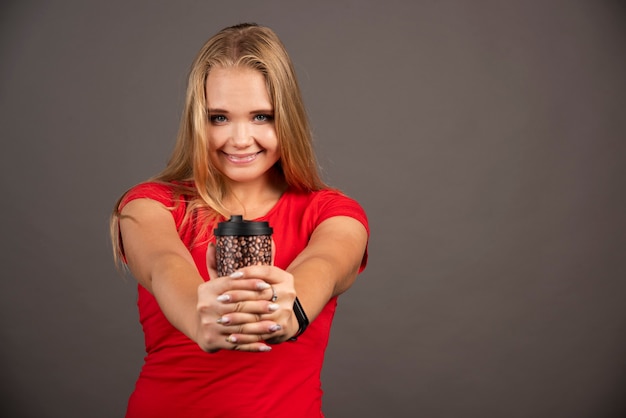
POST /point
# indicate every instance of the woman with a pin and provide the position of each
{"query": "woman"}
(233, 346)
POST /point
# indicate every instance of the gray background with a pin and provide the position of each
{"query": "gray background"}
(484, 138)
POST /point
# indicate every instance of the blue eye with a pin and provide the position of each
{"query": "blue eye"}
(263, 118)
(217, 118)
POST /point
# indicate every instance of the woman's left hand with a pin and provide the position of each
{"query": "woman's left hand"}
(249, 312)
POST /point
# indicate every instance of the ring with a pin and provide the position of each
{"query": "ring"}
(274, 295)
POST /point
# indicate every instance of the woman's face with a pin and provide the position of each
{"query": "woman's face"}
(242, 138)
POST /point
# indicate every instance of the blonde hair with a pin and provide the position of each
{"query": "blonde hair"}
(251, 46)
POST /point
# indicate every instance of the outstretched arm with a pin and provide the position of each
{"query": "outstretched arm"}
(330, 263)
(162, 264)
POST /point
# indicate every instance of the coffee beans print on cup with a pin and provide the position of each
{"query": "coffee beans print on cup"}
(240, 243)
(235, 252)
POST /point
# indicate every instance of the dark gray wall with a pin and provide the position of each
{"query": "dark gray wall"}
(484, 138)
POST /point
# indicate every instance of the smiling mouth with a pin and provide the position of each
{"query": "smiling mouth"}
(242, 158)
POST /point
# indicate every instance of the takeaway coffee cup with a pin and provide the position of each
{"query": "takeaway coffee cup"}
(240, 243)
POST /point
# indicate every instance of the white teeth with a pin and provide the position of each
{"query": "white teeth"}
(244, 159)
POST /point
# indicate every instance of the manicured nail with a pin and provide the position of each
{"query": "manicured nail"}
(236, 275)
(262, 286)
(265, 348)
(273, 306)
(275, 328)
(223, 320)
(231, 339)
(223, 298)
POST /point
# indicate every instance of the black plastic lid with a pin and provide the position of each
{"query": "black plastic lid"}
(237, 226)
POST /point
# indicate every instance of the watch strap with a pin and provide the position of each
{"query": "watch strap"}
(303, 320)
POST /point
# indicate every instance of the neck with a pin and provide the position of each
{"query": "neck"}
(254, 200)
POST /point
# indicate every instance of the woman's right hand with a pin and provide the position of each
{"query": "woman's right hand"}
(220, 319)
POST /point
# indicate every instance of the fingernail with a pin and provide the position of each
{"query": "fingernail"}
(273, 306)
(231, 339)
(223, 298)
(223, 320)
(265, 348)
(275, 328)
(262, 286)
(236, 275)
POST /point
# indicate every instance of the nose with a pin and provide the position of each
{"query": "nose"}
(241, 135)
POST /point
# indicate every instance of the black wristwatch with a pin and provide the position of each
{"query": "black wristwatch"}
(303, 321)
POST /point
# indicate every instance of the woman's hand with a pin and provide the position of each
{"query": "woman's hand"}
(252, 315)
(230, 305)
(243, 310)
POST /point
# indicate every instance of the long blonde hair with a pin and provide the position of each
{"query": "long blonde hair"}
(251, 46)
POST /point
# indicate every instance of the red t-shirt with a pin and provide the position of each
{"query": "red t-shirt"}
(178, 379)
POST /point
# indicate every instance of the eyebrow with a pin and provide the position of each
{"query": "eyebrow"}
(253, 112)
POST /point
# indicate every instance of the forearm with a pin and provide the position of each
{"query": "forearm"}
(318, 279)
(330, 263)
(174, 284)
(160, 261)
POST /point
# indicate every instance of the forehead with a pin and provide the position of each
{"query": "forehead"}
(236, 86)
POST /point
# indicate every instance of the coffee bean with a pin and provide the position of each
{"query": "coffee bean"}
(234, 252)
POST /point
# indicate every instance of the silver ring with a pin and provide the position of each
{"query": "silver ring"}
(274, 295)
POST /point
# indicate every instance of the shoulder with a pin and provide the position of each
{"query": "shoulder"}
(173, 196)
(334, 198)
(322, 196)
(317, 206)
(166, 193)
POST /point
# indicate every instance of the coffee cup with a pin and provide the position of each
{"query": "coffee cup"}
(241, 243)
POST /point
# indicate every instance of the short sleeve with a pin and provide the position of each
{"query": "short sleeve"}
(330, 203)
(160, 192)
